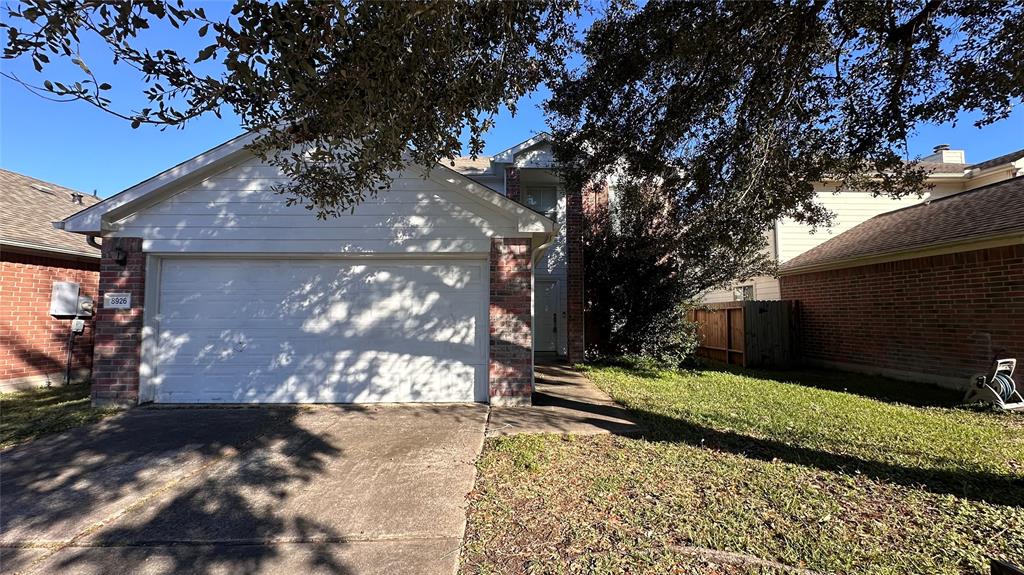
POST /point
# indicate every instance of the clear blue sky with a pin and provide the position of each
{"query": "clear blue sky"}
(75, 145)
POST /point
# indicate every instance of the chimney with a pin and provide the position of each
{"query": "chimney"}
(942, 154)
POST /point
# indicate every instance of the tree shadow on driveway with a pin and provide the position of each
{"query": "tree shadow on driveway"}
(185, 481)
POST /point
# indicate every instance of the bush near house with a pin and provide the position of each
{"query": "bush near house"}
(874, 482)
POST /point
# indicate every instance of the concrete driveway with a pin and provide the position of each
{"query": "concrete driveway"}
(262, 490)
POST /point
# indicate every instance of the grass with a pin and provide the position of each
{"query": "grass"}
(783, 467)
(26, 415)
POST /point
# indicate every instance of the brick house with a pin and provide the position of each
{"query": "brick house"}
(33, 255)
(441, 289)
(932, 292)
(948, 174)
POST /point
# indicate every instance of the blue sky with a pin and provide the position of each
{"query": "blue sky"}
(75, 145)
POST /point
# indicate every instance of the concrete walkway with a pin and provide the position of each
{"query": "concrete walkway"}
(564, 401)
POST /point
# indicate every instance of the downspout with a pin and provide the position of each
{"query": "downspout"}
(91, 240)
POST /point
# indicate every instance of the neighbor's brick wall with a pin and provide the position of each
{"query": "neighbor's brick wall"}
(119, 332)
(511, 335)
(946, 315)
(32, 343)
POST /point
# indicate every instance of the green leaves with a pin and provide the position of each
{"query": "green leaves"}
(343, 93)
(738, 106)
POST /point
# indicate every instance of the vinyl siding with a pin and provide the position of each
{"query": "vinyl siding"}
(236, 212)
(792, 238)
(850, 209)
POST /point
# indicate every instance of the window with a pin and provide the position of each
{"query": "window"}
(544, 199)
(742, 293)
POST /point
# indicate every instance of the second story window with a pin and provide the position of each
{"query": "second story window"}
(742, 293)
(544, 199)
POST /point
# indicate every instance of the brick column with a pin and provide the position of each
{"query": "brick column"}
(512, 189)
(574, 273)
(581, 205)
(115, 374)
(511, 329)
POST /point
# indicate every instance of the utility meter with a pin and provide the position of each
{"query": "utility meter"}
(64, 299)
(85, 306)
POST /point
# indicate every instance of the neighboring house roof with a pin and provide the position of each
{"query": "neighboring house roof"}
(943, 168)
(29, 206)
(96, 219)
(997, 161)
(985, 213)
(507, 156)
(470, 166)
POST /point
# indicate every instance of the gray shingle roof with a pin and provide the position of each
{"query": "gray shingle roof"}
(942, 167)
(986, 212)
(1004, 159)
(27, 208)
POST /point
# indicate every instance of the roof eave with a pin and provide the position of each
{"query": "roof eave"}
(49, 249)
(96, 218)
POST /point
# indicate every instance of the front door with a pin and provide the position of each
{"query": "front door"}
(545, 326)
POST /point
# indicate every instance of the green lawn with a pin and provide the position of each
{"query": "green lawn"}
(25, 415)
(813, 477)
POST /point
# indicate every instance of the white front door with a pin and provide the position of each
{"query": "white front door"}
(234, 330)
(545, 305)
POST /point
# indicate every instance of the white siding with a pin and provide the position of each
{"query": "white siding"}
(236, 212)
(792, 238)
(850, 209)
(765, 288)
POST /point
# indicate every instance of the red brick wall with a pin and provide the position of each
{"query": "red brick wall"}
(32, 343)
(574, 273)
(511, 334)
(580, 205)
(119, 332)
(513, 190)
(946, 316)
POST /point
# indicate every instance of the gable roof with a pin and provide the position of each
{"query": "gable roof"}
(28, 207)
(97, 218)
(508, 155)
(986, 213)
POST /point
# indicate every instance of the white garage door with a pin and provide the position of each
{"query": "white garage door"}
(328, 331)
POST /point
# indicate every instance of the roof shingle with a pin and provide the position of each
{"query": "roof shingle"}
(29, 206)
(999, 160)
(986, 212)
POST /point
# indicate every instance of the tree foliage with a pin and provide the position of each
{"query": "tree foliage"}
(736, 108)
(643, 269)
(341, 93)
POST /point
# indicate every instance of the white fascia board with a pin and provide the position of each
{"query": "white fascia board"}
(97, 218)
(528, 221)
(507, 156)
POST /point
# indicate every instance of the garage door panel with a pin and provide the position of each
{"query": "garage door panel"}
(244, 331)
(380, 378)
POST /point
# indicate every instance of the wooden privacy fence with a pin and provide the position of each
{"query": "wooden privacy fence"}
(747, 333)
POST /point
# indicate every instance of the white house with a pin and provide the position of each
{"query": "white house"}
(213, 290)
(949, 174)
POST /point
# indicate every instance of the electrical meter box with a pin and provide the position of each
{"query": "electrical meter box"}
(85, 306)
(64, 299)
